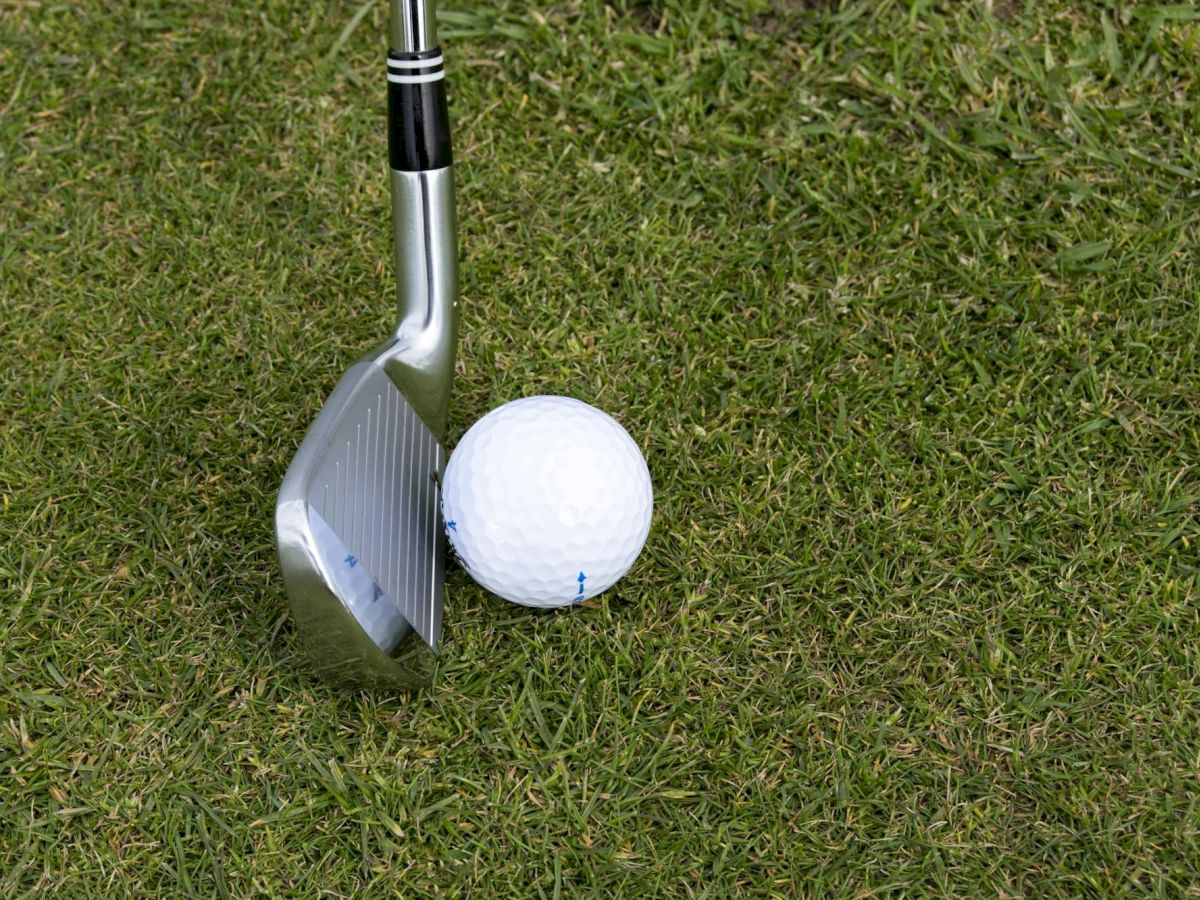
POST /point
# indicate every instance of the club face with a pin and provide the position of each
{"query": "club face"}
(359, 533)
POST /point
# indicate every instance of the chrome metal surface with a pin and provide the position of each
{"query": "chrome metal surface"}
(413, 27)
(426, 291)
(358, 518)
(359, 531)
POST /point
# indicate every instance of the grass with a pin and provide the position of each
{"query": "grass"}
(901, 300)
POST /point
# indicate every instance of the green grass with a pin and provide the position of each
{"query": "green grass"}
(902, 301)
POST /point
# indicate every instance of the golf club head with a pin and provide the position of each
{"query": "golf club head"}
(359, 534)
(358, 518)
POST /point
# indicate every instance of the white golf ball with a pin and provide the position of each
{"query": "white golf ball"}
(547, 501)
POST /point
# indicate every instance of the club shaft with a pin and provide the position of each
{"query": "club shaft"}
(422, 182)
(413, 26)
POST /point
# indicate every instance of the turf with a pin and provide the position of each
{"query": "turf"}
(901, 300)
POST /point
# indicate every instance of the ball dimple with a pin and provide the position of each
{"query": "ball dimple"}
(541, 490)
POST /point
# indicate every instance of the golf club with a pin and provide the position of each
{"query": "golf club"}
(358, 521)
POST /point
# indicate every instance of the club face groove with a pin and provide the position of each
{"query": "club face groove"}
(390, 513)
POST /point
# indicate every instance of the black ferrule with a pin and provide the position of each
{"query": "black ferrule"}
(418, 121)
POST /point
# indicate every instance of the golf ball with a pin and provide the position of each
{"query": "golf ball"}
(547, 501)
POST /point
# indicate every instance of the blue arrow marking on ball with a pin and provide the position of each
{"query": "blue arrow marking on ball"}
(350, 561)
(582, 579)
(452, 525)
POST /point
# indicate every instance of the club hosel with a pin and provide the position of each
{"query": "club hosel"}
(422, 214)
(426, 290)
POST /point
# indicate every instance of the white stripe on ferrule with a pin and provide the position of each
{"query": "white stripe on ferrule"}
(416, 79)
(415, 63)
